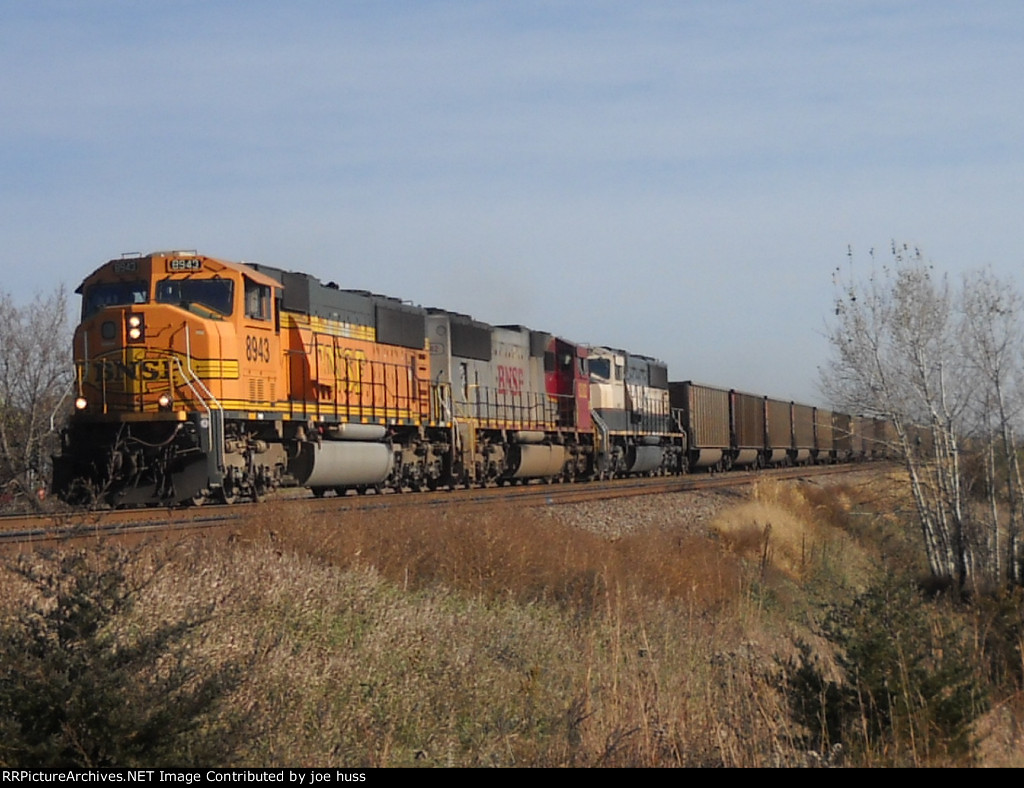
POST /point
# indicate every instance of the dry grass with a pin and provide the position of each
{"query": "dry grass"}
(497, 638)
(355, 670)
(798, 530)
(1001, 735)
(506, 554)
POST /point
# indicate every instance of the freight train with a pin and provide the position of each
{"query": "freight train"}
(201, 379)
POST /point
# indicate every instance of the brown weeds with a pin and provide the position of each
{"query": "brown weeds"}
(494, 637)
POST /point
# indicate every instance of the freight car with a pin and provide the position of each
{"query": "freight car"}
(198, 378)
(842, 437)
(748, 427)
(802, 419)
(824, 436)
(705, 416)
(727, 429)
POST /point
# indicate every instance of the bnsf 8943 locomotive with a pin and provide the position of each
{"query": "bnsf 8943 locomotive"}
(199, 378)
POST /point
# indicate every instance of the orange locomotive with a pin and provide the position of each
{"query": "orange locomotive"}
(198, 377)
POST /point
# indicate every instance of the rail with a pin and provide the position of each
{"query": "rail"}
(19, 530)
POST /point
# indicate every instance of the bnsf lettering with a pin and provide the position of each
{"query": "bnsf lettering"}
(510, 380)
(257, 349)
(147, 369)
(343, 364)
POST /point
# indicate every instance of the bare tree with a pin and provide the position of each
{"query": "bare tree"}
(942, 365)
(993, 339)
(35, 378)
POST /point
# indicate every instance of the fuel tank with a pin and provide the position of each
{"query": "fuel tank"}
(343, 463)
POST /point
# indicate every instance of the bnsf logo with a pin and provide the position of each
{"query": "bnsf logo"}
(147, 369)
(347, 366)
(510, 379)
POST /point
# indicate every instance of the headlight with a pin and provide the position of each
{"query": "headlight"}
(81, 403)
(135, 327)
(165, 402)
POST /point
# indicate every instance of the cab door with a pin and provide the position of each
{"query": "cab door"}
(260, 359)
(581, 388)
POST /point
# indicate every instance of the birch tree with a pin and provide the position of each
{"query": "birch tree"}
(993, 338)
(942, 365)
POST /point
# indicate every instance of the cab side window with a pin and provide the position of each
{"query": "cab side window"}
(257, 301)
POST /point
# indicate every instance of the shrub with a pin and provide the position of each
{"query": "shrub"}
(85, 683)
(911, 691)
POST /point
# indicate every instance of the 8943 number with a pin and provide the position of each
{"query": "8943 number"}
(257, 349)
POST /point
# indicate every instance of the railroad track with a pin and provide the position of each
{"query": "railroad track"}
(35, 530)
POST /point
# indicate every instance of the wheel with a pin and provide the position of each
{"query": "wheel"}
(80, 493)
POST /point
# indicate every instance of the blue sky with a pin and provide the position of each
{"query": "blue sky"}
(676, 178)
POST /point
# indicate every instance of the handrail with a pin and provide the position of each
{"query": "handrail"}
(217, 419)
(601, 442)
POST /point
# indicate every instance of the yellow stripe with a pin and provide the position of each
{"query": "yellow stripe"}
(215, 369)
(335, 328)
(254, 407)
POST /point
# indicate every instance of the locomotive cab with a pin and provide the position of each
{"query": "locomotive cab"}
(170, 333)
(170, 348)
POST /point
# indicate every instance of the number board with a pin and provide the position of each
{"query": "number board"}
(179, 265)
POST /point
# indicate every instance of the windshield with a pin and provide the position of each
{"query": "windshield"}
(101, 296)
(213, 294)
(600, 368)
